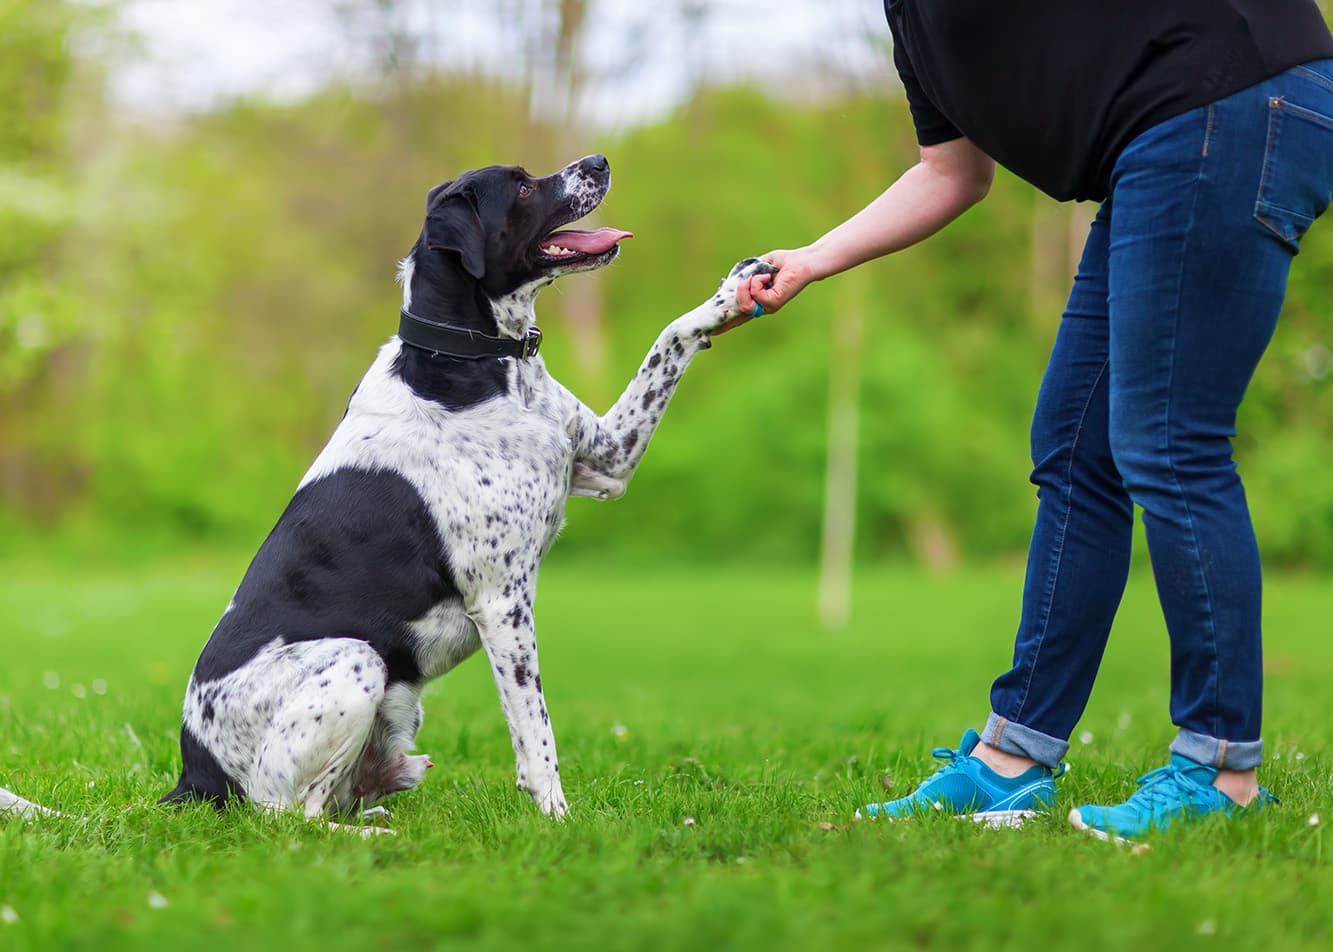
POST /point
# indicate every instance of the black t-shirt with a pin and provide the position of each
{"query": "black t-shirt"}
(1054, 89)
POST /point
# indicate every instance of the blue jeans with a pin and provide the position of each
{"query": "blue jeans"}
(1176, 298)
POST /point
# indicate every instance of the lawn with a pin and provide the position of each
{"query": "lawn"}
(713, 743)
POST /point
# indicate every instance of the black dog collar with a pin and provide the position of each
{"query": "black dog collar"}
(460, 342)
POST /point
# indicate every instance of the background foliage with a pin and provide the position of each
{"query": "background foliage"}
(185, 306)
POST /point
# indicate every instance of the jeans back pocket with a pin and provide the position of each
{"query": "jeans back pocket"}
(1297, 181)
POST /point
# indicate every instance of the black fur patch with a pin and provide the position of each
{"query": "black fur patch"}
(452, 382)
(202, 777)
(356, 554)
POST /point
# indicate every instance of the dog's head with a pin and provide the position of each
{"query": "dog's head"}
(502, 226)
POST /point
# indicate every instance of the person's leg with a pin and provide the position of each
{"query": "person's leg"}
(1197, 279)
(1077, 566)
(1078, 559)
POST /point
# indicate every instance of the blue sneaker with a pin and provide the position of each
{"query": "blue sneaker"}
(1181, 791)
(966, 787)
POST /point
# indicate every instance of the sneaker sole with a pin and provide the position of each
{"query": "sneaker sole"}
(995, 819)
(1003, 819)
(1077, 822)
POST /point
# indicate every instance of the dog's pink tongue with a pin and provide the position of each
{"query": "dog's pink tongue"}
(587, 242)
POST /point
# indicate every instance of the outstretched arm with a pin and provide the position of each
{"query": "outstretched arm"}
(950, 178)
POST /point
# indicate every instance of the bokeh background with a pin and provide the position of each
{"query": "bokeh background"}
(202, 203)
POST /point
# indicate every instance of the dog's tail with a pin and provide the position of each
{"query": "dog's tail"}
(11, 804)
(202, 778)
(185, 792)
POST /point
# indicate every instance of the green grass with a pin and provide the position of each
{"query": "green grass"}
(705, 693)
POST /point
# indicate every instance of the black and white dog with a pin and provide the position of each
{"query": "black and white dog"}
(416, 536)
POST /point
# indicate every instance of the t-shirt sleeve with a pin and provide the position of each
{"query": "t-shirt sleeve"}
(931, 126)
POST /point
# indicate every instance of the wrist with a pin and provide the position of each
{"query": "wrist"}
(819, 262)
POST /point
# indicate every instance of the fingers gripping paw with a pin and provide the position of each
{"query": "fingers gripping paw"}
(743, 271)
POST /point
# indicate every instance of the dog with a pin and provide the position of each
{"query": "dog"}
(416, 536)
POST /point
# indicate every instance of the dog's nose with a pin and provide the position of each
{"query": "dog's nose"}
(597, 163)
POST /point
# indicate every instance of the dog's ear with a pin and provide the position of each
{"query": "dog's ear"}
(430, 196)
(452, 224)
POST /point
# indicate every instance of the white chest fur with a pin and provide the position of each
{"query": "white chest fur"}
(495, 478)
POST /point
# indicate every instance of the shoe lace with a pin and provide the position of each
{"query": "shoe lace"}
(956, 759)
(1164, 786)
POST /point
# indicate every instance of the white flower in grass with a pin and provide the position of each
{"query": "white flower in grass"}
(689, 821)
(8, 916)
(1085, 738)
(78, 690)
(1207, 927)
(1300, 755)
(619, 731)
(1314, 819)
(99, 686)
(50, 680)
(156, 900)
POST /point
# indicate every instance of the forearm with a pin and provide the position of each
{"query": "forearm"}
(950, 178)
(921, 202)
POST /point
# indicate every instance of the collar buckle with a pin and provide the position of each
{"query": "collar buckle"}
(532, 343)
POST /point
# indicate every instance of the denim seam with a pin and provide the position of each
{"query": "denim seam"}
(1317, 77)
(1208, 129)
(1278, 108)
(1311, 116)
(1170, 461)
(1270, 145)
(1268, 153)
(1058, 554)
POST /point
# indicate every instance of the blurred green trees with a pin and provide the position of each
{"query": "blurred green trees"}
(185, 309)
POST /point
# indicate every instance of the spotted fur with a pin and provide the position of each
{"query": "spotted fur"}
(416, 536)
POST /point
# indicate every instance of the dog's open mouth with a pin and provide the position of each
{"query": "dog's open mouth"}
(574, 244)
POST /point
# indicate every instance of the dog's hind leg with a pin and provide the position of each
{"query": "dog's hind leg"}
(310, 755)
(387, 767)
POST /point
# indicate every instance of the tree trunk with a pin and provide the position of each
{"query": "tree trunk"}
(839, 535)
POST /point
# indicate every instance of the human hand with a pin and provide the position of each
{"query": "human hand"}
(772, 291)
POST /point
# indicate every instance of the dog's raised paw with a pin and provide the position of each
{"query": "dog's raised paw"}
(749, 267)
(725, 300)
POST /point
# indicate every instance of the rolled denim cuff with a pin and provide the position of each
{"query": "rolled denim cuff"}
(1222, 754)
(1005, 735)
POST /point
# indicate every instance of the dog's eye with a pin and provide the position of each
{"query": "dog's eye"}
(524, 191)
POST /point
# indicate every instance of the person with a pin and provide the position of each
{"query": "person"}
(1205, 130)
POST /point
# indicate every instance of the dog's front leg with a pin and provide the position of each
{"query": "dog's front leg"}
(609, 448)
(505, 626)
